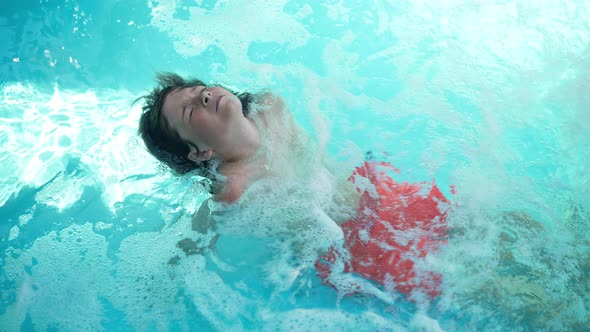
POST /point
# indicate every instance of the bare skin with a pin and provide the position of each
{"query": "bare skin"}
(211, 120)
(267, 143)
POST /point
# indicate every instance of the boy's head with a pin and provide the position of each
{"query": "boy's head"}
(162, 139)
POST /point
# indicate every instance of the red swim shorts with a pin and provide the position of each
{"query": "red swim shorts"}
(397, 225)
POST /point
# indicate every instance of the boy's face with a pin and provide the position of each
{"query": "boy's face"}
(203, 116)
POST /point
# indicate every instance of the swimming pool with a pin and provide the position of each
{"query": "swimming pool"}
(490, 97)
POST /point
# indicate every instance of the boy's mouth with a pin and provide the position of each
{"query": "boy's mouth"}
(217, 103)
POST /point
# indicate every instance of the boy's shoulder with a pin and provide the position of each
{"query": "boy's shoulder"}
(232, 191)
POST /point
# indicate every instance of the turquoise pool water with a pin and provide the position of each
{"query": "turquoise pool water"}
(491, 97)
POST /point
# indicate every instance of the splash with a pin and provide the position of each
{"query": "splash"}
(43, 131)
(487, 96)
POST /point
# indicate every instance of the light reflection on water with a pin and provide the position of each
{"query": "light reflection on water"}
(488, 98)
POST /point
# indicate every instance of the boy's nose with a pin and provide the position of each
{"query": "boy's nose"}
(206, 97)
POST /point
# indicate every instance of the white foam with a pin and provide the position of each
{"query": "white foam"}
(422, 323)
(14, 232)
(66, 265)
(488, 52)
(63, 269)
(329, 320)
(25, 218)
(272, 25)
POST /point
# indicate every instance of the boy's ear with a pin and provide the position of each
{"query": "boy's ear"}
(206, 155)
(197, 156)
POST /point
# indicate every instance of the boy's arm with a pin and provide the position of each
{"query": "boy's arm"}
(347, 199)
(202, 220)
(347, 196)
(274, 105)
(201, 223)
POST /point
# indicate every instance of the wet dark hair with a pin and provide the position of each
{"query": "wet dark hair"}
(162, 141)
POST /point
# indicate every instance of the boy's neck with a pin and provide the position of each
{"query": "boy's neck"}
(246, 149)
